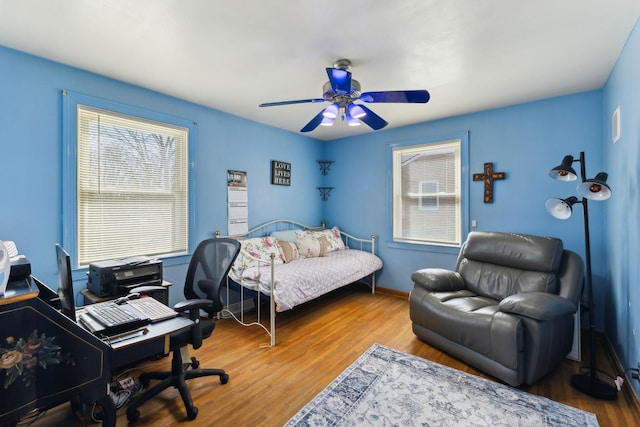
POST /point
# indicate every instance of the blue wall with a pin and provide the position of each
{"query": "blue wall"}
(622, 161)
(525, 141)
(31, 158)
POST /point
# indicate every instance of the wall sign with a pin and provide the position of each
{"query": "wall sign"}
(280, 173)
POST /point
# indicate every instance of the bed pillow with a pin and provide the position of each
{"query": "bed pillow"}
(261, 248)
(289, 250)
(288, 235)
(334, 240)
(309, 245)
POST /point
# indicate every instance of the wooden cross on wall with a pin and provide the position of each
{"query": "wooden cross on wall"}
(488, 177)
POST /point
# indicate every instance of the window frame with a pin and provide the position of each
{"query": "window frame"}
(464, 193)
(71, 100)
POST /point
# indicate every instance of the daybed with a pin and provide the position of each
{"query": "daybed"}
(507, 308)
(291, 263)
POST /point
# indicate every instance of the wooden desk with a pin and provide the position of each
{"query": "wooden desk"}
(48, 359)
(84, 363)
(130, 349)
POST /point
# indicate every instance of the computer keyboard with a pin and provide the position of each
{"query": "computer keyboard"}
(152, 308)
(115, 318)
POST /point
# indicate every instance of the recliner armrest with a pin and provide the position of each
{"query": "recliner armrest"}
(538, 305)
(438, 279)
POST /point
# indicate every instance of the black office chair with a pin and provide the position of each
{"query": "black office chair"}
(207, 271)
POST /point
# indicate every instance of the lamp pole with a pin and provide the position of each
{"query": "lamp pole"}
(591, 384)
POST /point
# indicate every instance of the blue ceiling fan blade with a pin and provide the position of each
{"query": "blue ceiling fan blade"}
(401, 96)
(340, 80)
(299, 101)
(371, 119)
(314, 123)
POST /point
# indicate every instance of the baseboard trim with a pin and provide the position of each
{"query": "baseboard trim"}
(393, 292)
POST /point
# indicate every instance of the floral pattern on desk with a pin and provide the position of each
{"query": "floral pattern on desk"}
(22, 357)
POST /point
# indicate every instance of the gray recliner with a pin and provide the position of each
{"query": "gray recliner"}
(507, 308)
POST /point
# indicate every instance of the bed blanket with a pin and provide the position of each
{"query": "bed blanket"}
(304, 279)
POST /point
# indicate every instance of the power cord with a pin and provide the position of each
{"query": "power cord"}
(30, 419)
(122, 392)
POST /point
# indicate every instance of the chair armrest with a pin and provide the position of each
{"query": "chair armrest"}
(193, 306)
(438, 279)
(538, 305)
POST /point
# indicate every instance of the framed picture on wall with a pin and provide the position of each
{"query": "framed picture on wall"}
(280, 173)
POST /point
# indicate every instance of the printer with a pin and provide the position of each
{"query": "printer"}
(118, 276)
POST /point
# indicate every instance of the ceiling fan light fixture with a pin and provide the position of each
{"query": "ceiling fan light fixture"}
(356, 111)
(331, 112)
(352, 121)
(327, 121)
(342, 90)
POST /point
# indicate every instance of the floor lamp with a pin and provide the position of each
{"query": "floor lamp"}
(593, 189)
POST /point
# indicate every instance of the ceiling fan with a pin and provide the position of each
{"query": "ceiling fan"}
(342, 91)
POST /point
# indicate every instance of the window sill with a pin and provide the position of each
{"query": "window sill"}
(424, 247)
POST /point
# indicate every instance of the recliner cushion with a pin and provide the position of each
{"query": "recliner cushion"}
(499, 282)
(497, 265)
(519, 251)
(471, 321)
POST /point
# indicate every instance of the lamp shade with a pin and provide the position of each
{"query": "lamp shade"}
(564, 172)
(331, 111)
(561, 208)
(327, 121)
(352, 121)
(356, 111)
(596, 188)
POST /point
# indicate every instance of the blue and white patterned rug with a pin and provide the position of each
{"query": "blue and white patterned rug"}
(385, 387)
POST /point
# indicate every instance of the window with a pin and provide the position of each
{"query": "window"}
(428, 196)
(427, 193)
(130, 185)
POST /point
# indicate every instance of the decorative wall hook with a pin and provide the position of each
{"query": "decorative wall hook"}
(324, 166)
(324, 192)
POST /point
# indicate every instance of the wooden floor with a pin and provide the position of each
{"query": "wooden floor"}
(316, 342)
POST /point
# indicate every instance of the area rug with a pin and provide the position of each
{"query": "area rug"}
(386, 387)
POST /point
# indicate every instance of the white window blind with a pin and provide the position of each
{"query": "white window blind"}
(427, 193)
(132, 186)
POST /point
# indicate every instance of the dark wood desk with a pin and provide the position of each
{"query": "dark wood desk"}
(47, 359)
(132, 348)
(91, 298)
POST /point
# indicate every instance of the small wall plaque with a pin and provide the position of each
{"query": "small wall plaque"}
(280, 173)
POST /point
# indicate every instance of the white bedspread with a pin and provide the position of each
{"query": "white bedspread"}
(304, 279)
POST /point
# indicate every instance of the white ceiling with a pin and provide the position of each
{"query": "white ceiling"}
(470, 55)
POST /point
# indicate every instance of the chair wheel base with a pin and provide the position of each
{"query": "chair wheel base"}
(195, 363)
(133, 416)
(192, 413)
